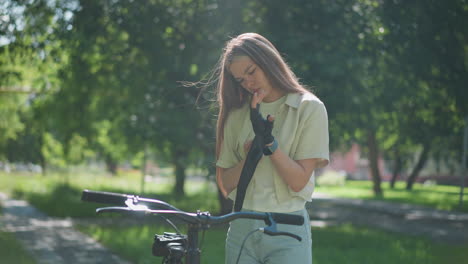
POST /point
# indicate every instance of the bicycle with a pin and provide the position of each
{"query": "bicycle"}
(173, 247)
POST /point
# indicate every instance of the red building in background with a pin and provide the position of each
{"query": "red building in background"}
(355, 166)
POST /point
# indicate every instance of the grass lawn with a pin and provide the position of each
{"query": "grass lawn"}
(59, 195)
(139, 251)
(340, 244)
(11, 251)
(435, 196)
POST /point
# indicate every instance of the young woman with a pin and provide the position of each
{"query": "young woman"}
(254, 78)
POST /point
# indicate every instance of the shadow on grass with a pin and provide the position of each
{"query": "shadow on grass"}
(430, 198)
(11, 251)
(423, 191)
(64, 200)
(339, 244)
(363, 245)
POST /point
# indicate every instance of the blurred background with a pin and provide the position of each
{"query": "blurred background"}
(92, 96)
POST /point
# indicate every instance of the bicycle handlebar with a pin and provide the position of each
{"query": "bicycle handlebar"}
(196, 221)
(200, 218)
(104, 197)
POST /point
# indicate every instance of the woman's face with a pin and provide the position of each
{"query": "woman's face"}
(249, 75)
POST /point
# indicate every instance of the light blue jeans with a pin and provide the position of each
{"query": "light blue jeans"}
(265, 249)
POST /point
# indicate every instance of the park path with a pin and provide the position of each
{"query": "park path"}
(438, 225)
(51, 240)
(55, 241)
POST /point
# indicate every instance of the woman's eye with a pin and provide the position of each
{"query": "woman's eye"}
(253, 71)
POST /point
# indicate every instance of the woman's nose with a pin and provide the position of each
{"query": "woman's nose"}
(249, 83)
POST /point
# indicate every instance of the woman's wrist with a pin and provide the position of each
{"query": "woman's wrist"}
(269, 149)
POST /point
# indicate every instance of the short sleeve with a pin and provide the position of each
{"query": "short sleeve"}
(227, 157)
(313, 138)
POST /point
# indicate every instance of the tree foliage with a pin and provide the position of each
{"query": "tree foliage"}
(104, 76)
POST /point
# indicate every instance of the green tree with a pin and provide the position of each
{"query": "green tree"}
(28, 73)
(12, 94)
(126, 60)
(427, 41)
(337, 48)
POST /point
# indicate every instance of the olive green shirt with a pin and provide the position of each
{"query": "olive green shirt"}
(301, 128)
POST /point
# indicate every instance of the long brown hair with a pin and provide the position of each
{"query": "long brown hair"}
(230, 95)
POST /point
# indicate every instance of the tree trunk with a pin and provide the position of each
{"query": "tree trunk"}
(373, 160)
(143, 170)
(419, 166)
(397, 166)
(111, 165)
(42, 159)
(179, 166)
(43, 165)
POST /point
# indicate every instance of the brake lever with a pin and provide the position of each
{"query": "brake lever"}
(132, 206)
(115, 210)
(271, 229)
(276, 233)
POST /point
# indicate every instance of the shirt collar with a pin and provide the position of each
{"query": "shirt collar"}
(294, 99)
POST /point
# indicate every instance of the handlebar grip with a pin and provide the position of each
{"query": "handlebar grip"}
(104, 197)
(288, 219)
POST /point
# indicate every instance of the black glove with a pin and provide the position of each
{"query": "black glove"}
(261, 126)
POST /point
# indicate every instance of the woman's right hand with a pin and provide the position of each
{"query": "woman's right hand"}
(257, 98)
(262, 127)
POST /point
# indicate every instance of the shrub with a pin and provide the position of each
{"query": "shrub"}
(332, 178)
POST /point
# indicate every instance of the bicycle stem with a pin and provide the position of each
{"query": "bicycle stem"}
(193, 252)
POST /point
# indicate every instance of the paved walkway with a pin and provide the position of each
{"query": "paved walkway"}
(52, 240)
(439, 225)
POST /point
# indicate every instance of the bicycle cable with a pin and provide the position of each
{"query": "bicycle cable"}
(202, 239)
(171, 224)
(243, 242)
